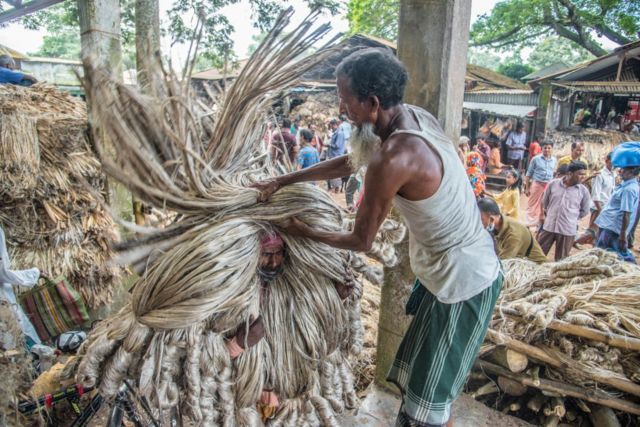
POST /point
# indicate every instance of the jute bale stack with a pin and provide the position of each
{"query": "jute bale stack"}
(598, 143)
(51, 219)
(199, 276)
(577, 324)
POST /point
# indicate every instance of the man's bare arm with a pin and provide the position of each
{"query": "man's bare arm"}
(329, 169)
(623, 231)
(375, 206)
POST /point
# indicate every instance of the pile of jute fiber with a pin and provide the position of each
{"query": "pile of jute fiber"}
(199, 276)
(51, 219)
(564, 343)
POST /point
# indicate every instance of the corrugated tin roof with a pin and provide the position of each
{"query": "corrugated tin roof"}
(504, 91)
(504, 110)
(546, 71)
(592, 66)
(600, 87)
(507, 97)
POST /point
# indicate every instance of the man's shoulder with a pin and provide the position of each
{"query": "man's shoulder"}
(513, 226)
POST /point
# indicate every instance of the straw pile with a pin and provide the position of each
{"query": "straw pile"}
(199, 280)
(564, 340)
(51, 219)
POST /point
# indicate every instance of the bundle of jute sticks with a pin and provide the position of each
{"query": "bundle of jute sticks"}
(52, 221)
(199, 276)
(564, 342)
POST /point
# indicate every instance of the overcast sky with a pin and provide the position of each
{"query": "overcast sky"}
(17, 37)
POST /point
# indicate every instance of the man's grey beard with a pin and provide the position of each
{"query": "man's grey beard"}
(364, 143)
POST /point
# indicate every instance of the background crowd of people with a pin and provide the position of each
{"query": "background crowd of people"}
(294, 146)
(559, 192)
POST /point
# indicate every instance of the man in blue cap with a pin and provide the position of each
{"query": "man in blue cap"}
(619, 215)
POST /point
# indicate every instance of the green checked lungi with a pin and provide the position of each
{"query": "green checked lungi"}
(437, 353)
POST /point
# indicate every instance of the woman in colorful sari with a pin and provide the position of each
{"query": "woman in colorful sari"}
(475, 174)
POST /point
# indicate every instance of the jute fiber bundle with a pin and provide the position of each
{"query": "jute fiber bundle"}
(577, 324)
(19, 154)
(52, 220)
(199, 276)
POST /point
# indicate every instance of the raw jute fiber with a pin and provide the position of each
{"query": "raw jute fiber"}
(593, 289)
(199, 278)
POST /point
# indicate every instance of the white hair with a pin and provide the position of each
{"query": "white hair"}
(364, 143)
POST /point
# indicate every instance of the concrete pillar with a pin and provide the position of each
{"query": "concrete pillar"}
(100, 32)
(432, 43)
(433, 37)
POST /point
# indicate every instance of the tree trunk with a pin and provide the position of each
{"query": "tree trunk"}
(147, 42)
(147, 37)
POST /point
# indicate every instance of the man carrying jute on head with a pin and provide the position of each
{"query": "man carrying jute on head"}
(413, 165)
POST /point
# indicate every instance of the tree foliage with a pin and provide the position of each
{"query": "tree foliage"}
(515, 70)
(519, 23)
(181, 21)
(374, 17)
(514, 24)
(555, 49)
(484, 58)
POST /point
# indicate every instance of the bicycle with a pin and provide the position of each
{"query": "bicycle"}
(123, 408)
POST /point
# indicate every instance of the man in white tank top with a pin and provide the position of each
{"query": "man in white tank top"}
(413, 165)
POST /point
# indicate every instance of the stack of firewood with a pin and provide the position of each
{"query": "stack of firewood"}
(563, 346)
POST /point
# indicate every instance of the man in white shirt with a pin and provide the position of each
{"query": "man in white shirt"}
(8, 279)
(602, 186)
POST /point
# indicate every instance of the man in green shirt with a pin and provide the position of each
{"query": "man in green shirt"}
(513, 239)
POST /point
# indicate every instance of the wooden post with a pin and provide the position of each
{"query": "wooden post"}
(623, 57)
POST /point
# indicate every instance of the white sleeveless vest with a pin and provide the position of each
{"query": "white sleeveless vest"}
(450, 252)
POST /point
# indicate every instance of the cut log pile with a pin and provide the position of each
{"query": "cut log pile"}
(50, 216)
(564, 342)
